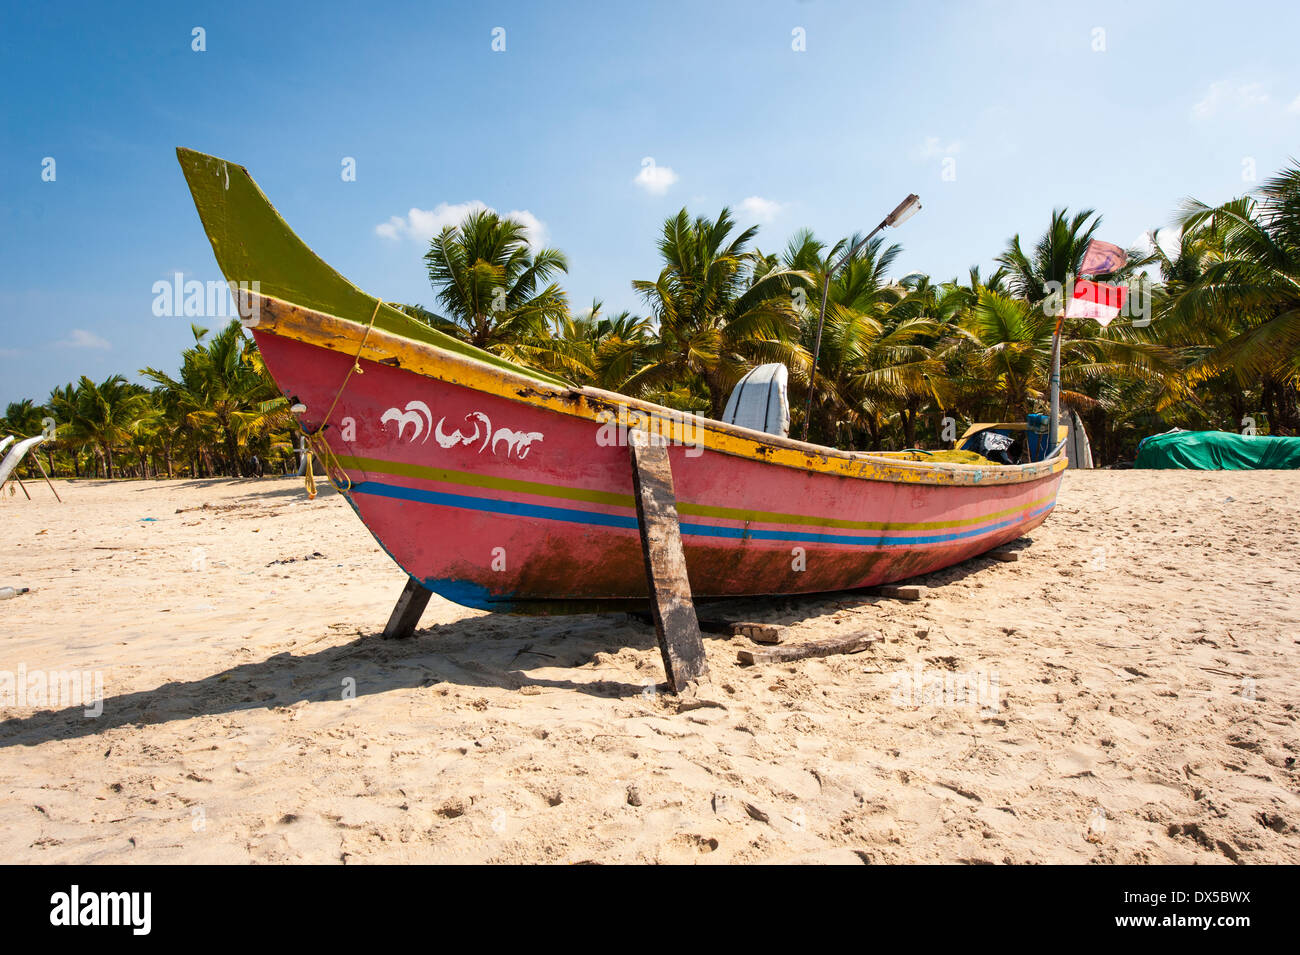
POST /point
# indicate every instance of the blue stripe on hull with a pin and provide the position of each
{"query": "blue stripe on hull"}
(597, 519)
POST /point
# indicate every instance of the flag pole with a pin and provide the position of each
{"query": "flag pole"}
(1054, 382)
(1054, 412)
(1098, 258)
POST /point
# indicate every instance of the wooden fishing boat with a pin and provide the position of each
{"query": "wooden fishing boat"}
(497, 486)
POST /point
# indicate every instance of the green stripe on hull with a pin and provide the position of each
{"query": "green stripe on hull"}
(445, 476)
(685, 508)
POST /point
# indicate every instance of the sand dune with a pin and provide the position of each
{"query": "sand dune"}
(1125, 692)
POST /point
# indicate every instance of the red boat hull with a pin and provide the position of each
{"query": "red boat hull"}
(491, 501)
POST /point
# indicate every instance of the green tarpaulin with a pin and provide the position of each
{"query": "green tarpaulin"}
(1218, 451)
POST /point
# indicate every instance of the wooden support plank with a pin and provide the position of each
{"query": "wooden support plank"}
(1006, 556)
(852, 643)
(406, 612)
(676, 626)
(897, 593)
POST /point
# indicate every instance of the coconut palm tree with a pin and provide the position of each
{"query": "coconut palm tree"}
(23, 418)
(1054, 258)
(1007, 343)
(223, 392)
(923, 379)
(143, 435)
(62, 397)
(1192, 390)
(881, 368)
(873, 354)
(716, 317)
(494, 290)
(1039, 278)
(103, 414)
(1247, 295)
(596, 349)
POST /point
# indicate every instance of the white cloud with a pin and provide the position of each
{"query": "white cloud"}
(1252, 94)
(934, 147)
(1166, 237)
(655, 179)
(423, 224)
(80, 338)
(1226, 94)
(537, 234)
(764, 210)
(1295, 106)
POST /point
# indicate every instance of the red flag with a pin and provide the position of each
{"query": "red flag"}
(1096, 300)
(1102, 258)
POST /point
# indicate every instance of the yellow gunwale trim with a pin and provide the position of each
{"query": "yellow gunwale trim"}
(287, 320)
(686, 508)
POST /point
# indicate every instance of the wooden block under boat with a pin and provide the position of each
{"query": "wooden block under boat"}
(897, 593)
(759, 632)
(852, 643)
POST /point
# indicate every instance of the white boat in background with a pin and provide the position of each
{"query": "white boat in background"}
(1077, 447)
(15, 456)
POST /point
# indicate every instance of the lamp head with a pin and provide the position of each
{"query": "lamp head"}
(906, 209)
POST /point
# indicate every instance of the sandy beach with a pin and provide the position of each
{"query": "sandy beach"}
(1124, 692)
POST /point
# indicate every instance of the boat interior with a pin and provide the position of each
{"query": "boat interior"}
(760, 401)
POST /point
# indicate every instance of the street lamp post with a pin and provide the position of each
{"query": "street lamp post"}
(1054, 385)
(904, 211)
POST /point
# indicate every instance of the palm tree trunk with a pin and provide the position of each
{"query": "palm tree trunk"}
(874, 427)
(1286, 410)
(232, 452)
(717, 397)
(1238, 403)
(909, 426)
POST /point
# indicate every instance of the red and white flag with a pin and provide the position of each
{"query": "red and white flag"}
(1102, 258)
(1096, 300)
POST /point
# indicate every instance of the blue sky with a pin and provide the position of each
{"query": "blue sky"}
(1181, 99)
